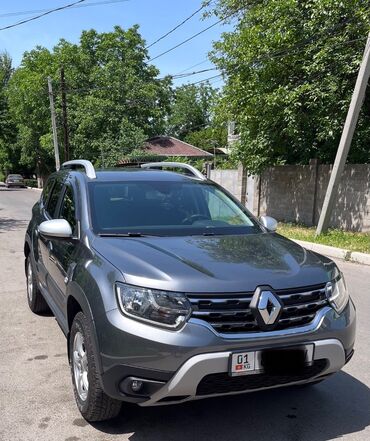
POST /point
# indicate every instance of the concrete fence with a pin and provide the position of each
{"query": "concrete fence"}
(295, 193)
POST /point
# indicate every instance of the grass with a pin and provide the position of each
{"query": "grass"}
(336, 238)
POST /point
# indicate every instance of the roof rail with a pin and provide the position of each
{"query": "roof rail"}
(87, 165)
(196, 173)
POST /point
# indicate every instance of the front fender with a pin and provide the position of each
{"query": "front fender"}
(76, 294)
(92, 287)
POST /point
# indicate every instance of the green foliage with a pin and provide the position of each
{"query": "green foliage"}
(29, 109)
(7, 129)
(208, 138)
(114, 102)
(114, 99)
(291, 67)
(191, 109)
(30, 183)
(226, 163)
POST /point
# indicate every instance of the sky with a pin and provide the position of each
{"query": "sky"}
(155, 18)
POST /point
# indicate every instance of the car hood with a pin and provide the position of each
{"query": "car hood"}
(215, 264)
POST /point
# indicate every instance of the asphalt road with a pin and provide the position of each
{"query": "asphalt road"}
(36, 399)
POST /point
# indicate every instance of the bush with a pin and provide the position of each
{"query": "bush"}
(30, 183)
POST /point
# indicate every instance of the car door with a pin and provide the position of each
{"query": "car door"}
(62, 251)
(45, 245)
(38, 243)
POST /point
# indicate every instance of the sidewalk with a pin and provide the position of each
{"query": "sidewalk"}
(339, 253)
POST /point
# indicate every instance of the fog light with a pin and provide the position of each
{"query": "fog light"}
(136, 385)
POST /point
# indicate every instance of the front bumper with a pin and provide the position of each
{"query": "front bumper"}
(187, 382)
(179, 361)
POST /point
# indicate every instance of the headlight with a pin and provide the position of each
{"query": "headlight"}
(337, 293)
(161, 308)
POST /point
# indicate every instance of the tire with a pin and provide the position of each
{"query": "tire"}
(91, 400)
(36, 301)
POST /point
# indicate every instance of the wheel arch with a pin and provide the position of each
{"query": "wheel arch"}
(78, 302)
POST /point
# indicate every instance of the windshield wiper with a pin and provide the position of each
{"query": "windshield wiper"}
(129, 234)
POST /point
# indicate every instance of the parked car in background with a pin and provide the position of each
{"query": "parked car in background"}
(14, 181)
(169, 290)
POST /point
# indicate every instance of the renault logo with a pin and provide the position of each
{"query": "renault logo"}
(266, 307)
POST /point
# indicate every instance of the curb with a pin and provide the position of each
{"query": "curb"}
(33, 188)
(339, 253)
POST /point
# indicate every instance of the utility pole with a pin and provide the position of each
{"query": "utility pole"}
(64, 110)
(346, 139)
(54, 124)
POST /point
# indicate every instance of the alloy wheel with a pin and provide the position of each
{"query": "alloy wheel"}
(29, 281)
(80, 367)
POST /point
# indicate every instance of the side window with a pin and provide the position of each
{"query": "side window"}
(53, 199)
(223, 209)
(68, 208)
(46, 191)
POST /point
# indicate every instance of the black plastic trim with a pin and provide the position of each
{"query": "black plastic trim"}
(112, 378)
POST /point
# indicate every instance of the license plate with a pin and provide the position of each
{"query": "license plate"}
(252, 362)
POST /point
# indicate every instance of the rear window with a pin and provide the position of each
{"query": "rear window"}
(167, 208)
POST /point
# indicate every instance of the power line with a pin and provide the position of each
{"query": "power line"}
(37, 11)
(269, 56)
(184, 75)
(192, 66)
(185, 41)
(50, 11)
(174, 77)
(195, 35)
(203, 81)
(178, 26)
(273, 55)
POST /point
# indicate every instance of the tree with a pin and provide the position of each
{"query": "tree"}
(29, 109)
(191, 109)
(114, 98)
(208, 138)
(7, 128)
(291, 66)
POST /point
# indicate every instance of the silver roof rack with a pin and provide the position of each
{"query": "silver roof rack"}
(87, 165)
(196, 173)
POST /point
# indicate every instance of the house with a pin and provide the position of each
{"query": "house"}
(163, 147)
(167, 146)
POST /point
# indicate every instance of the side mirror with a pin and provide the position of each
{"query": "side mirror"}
(269, 222)
(56, 228)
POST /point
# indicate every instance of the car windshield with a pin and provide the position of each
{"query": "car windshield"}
(15, 176)
(166, 208)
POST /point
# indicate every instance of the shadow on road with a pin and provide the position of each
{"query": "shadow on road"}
(8, 224)
(338, 406)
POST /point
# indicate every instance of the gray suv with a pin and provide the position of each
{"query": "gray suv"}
(169, 290)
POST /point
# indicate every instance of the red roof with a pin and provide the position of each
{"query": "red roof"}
(170, 146)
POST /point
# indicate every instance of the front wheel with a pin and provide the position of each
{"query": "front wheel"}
(91, 400)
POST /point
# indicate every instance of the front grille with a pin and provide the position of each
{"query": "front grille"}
(230, 313)
(222, 383)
